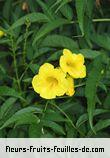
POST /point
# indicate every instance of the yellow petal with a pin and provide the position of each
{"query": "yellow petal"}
(73, 64)
(36, 83)
(67, 52)
(46, 67)
(50, 82)
(70, 91)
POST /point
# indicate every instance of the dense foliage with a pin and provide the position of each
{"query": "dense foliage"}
(37, 31)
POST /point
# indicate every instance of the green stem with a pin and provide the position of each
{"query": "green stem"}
(101, 20)
(46, 106)
(25, 70)
(69, 120)
(94, 20)
(25, 42)
(15, 62)
(80, 85)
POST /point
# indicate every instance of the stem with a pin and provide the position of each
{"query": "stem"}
(25, 42)
(69, 120)
(15, 62)
(46, 106)
(94, 20)
(80, 85)
(25, 70)
(101, 20)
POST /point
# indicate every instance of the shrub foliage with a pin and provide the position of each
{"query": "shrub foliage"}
(35, 32)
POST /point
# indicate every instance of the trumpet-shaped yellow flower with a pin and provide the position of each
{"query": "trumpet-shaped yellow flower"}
(50, 82)
(73, 64)
(70, 90)
(2, 33)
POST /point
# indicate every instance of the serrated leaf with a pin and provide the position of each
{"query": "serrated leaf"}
(83, 118)
(90, 54)
(55, 56)
(59, 41)
(32, 17)
(46, 9)
(35, 130)
(51, 115)
(101, 40)
(47, 28)
(99, 126)
(7, 91)
(107, 102)
(67, 11)
(80, 8)
(7, 9)
(23, 116)
(6, 106)
(91, 87)
(54, 126)
(27, 118)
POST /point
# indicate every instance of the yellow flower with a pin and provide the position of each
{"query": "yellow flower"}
(73, 64)
(2, 33)
(50, 82)
(71, 90)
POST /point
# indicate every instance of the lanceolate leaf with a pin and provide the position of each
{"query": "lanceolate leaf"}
(91, 87)
(102, 40)
(8, 104)
(90, 54)
(45, 29)
(67, 11)
(6, 9)
(7, 91)
(32, 17)
(54, 126)
(51, 115)
(83, 118)
(45, 9)
(59, 41)
(99, 126)
(80, 8)
(23, 116)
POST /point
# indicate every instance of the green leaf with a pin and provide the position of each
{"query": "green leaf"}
(7, 105)
(101, 40)
(35, 130)
(47, 28)
(71, 133)
(67, 11)
(54, 126)
(34, 68)
(47, 11)
(16, 133)
(99, 126)
(51, 115)
(90, 6)
(91, 87)
(59, 41)
(27, 118)
(4, 41)
(23, 116)
(32, 17)
(89, 54)
(80, 8)
(55, 56)
(107, 102)
(7, 8)
(4, 54)
(83, 118)
(7, 91)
